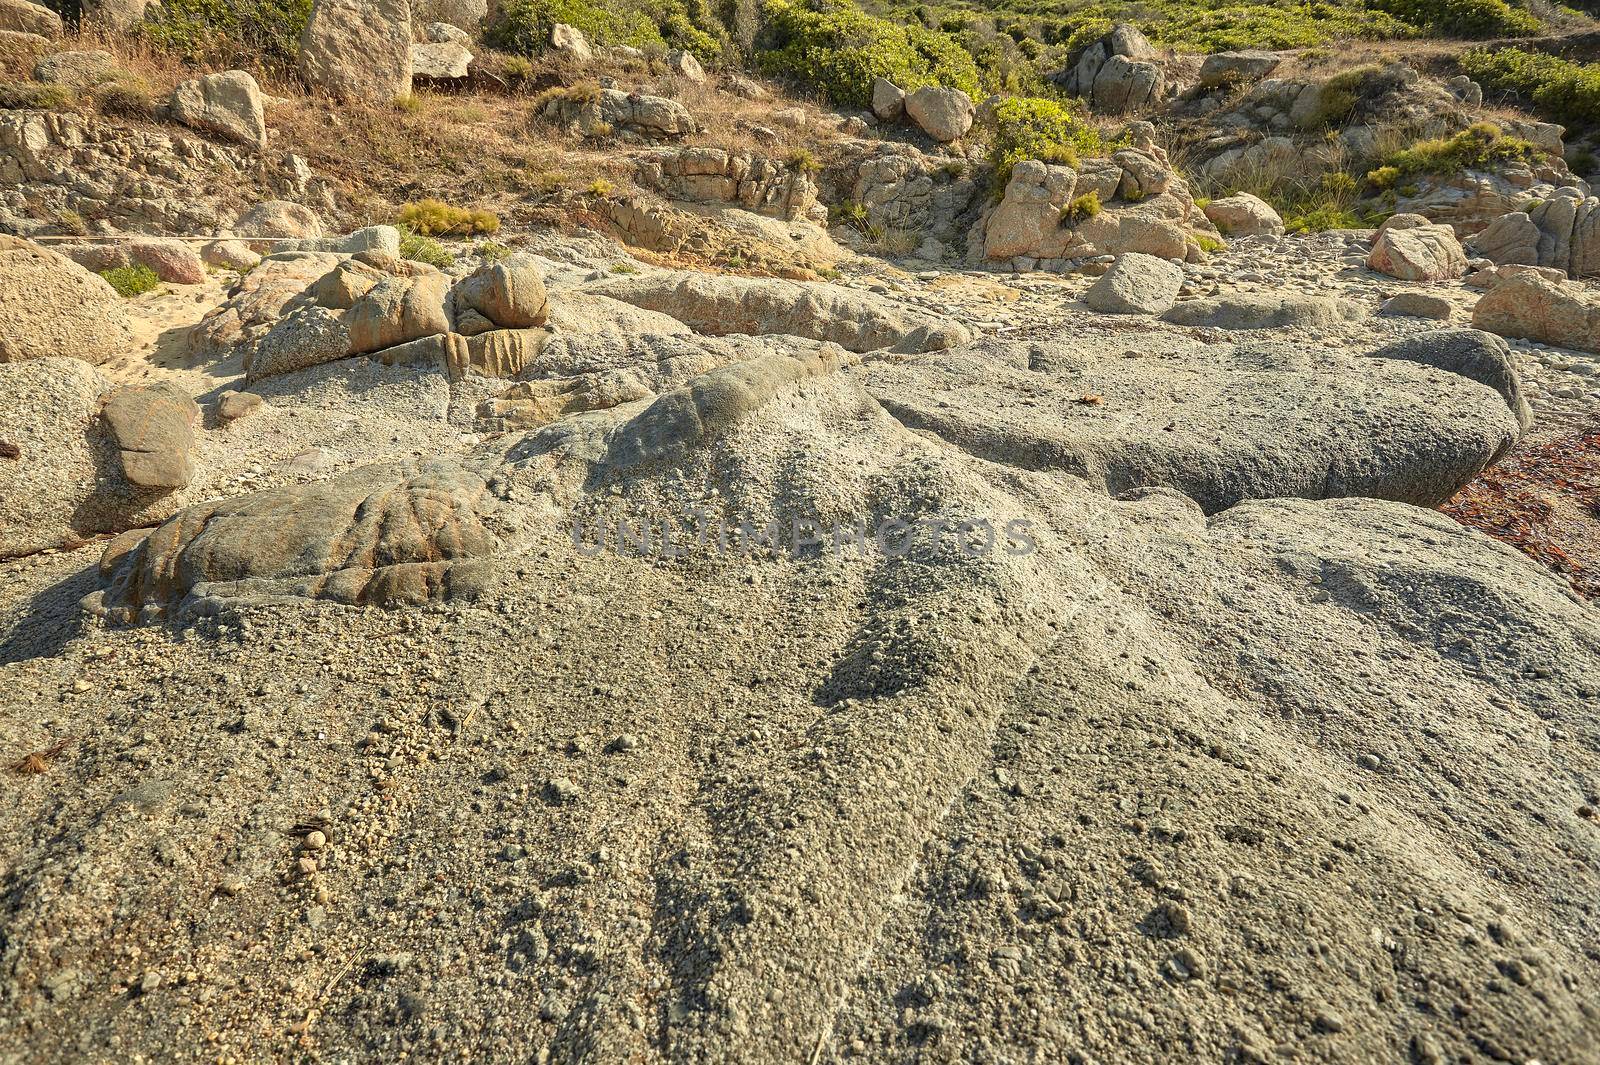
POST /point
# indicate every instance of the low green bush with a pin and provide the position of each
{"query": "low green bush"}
(1464, 18)
(130, 281)
(24, 95)
(434, 218)
(835, 47)
(1559, 89)
(1481, 145)
(1034, 128)
(211, 30)
(523, 26)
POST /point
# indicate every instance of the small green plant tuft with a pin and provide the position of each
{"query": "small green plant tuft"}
(1208, 244)
(492, 250)
(600, 187)
(131, 281)
(431, 218)
(1081, 209)
(1480, 145)
(803, 161)
(421, 248)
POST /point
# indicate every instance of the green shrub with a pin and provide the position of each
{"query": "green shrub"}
(1476, 147)
(836, 48)
(420, 248)
(209, 30)
(16, 96)
(804, 161)
(1558, 89)
(1033, 128)
(431, 218)
(1315, 219)
(125, 98)
(523, 26)
(492, 250)
(130, 281)
(1081, 209)
(1464, 18)
(1207, 243)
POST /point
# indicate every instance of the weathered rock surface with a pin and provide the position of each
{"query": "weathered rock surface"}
(718, 306)
(51, 306)
(1527, 305)
(76, 69)
(1561, 232)
(510, 295)
(227, 104)
(749, 180)
(1237, 67)
(1264, 310)
(358, 49)
(1136, 284)
(398, 310)
(888, 100)
(441, 61)
(1244, 215)
(570, 43)
(1473, 354)
(153, 429)
(384, 534)
(611, 111)
(1418, 305)
(1118, 73)
(22, 16)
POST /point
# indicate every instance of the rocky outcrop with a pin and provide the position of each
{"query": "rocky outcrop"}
(1529, 306)
(1470, 353)
(385, 535)
(171, 260)
(685, 65)
(1118, 73)
(943, 114)
(466, 15)
(121, 178)
(51, 307)
(1136, 284)
(358, 49)
(1411, 248)
(1561, 232)
(1041, 216)
(632, 116)
(569, 43)
(440, 60)
(227, 104)
(76, 69)
(508, 295)
(279, 218)
(119, 15)
(742, 179)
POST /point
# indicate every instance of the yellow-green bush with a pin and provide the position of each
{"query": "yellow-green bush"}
(1034, 128)
(210, 30)
(835, 47)
(1478, 146)
(130, 281)
(434, 218)
(1558, 88)
(424, 249)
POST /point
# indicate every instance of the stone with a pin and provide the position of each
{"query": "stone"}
(358, 49)
(230, 255)
(569, 43)
(51, 306)
(383, 535)
(227, 104)
(257, 302)
(792, 117)
(21, 16)
(1471, 353)
(1417, 251)
(746, 88)
(231, 405)
(1512, 238)
(1417, 305)
(510, 294)
(172, 260)
(1532, 307)
(1117, 73)
(888, 100)
(398, 310)
(1265, 310)
(51, 420)
(307, 336)
(446, 61)
(1244, 215)
(442, 32)
(943, 114)
(76, 70)
(153, 427)
(685, 65)
(615, 111)
(1136, 284)
(1237, 67)
(279, 218)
